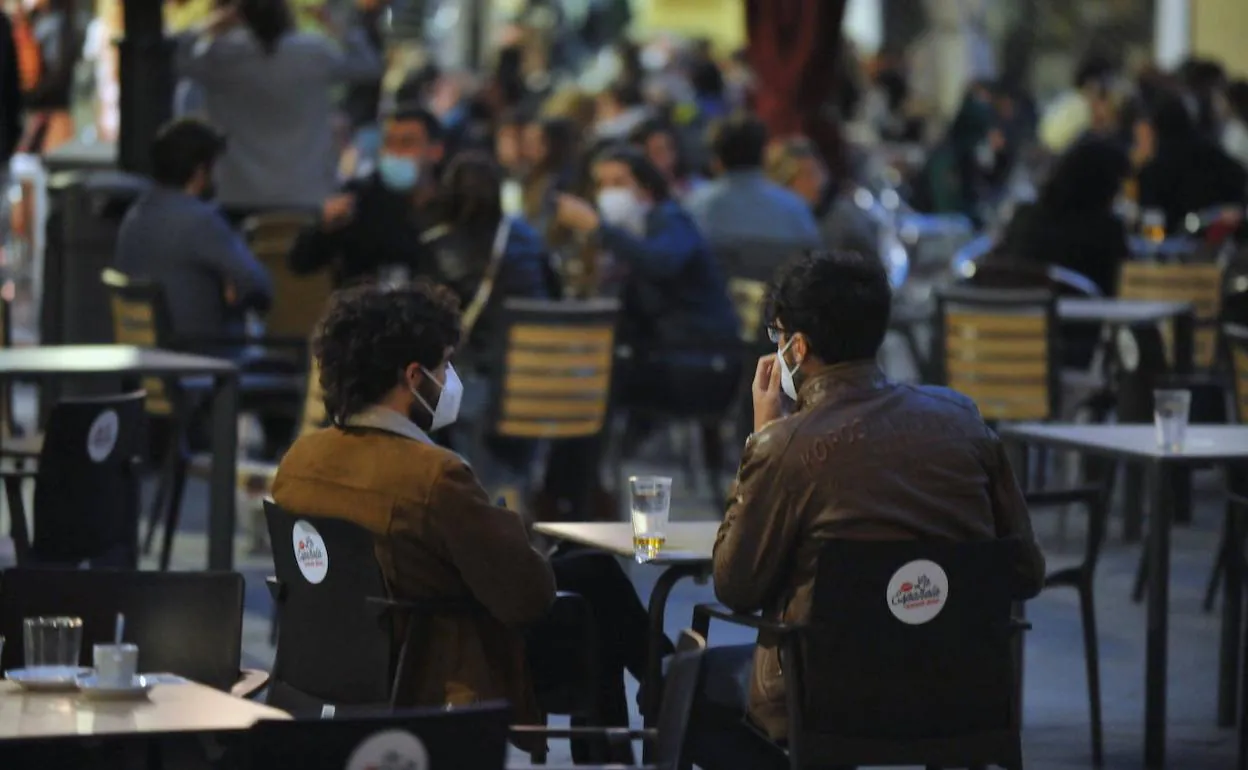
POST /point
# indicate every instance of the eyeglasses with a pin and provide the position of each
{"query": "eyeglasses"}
(774, 333)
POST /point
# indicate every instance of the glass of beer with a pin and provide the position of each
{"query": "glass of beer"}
(650, 499)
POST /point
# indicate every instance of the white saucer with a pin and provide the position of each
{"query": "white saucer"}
(91, 688)
(47, 678)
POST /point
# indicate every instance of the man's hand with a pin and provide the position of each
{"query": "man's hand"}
(575, 214)
(337, 211)
(768, 395)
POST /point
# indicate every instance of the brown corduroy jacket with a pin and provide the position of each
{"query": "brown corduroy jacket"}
(437, 536)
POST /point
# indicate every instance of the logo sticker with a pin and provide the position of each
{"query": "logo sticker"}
(918, 592)
(102, 437)
(310, 553)
(389, 750)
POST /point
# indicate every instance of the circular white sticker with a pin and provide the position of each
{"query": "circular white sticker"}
(918, 592)
(102, 437)
(389, 750)
(310, 552)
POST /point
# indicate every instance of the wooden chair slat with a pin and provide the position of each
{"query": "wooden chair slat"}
(543, 409)
(548, 429)
(527, 384)
(973, 367)
(996, 349)
(298, 300)
(748, 298)
(547, 362)
(588, 338)
(985, 325)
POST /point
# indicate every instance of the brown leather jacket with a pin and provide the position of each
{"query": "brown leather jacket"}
(437, 536)
(861, 458)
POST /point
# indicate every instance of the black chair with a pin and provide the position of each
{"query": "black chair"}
(185, 623)
(866, 685)
(668, 737)
(460, 739)
(310, 671)
(86, 486)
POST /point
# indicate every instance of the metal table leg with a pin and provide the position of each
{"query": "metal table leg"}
(222, 481)
(1232, 616)
(1155, 666)
(658, 609)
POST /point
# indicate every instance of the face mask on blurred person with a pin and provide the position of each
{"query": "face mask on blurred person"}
(447, 410)
(786, 374)
(621, 207)
(398, 173)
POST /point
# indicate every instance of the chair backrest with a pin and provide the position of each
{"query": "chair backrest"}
(325, 570)
(298, 300)
(87, 488)
(1000, 348)
(556, 368)
(1006, 273)
(1236, 337)
(1197, 283)
(141, 318)
(680, 689)
(474, 737)
(748, 299)
(908, 656)
(185, 623)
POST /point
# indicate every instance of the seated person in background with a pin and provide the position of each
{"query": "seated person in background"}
(661, 144)
(174, 236)
(913, 462)
(1072, 224)
(741, 204)
(1185, 172)
(678, 317)
(384, 356)
(843, 224)
(374, 224)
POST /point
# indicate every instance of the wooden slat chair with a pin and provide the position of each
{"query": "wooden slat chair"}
(298, 300)
(1197, 283)
(749, 299)
(1235, 338)
(555, 369)
(999, 347)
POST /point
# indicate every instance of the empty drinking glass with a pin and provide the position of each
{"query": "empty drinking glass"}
(53, 642)
(650, 499)
(1170, 413)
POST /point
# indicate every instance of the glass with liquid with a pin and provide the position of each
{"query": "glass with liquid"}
(1170, 413)
(650, 499)
(1153, 225)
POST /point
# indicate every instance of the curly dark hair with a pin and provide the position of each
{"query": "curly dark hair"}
(840, 301)
(372, 333)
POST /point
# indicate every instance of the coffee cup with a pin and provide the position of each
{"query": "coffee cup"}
(116, 664)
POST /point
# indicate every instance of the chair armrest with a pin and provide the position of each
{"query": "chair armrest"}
(612, 734)
(250, 682)
(703, 613)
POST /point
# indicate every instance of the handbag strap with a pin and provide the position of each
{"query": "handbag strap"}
(486, 287)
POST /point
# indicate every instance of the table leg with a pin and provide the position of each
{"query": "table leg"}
(1184, 364)
(1232, 617)
(1132, 503)
(221, 513)
(658, 610)
(1155, 665)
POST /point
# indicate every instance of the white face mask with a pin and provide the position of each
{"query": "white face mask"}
(786, 374)
(447, 411)
(621, 207)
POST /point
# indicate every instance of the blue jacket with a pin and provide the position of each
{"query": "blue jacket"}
(676, 293)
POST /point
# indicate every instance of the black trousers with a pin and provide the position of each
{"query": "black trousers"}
(719, 738)
(621, 626)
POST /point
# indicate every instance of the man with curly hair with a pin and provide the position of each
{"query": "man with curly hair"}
(384, 356)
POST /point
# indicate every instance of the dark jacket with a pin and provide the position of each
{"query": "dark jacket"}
(862, 458)
(1190, 175)
(10, 92)
(384, 231)
(675, 293)
(1093, 243)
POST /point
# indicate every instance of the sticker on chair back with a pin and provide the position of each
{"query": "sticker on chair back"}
(389, 750)
(102, 437)
(310, 552)
(918, 592)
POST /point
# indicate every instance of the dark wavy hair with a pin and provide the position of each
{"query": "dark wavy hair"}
(840, 300)
(372, 333)
(645, 172)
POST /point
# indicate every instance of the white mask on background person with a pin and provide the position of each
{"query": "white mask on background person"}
(447, 410)
(511, 195)
(621, 207)
(786, 374)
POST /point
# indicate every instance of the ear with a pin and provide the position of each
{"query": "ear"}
(413, 375)
(800, 349)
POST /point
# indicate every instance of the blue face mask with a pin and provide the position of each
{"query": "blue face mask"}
(397, 172)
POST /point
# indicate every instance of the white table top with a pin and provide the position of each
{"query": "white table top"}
(1202, 442)
(687, 542)
(1116, 311)
(169, 708)
(80, 360)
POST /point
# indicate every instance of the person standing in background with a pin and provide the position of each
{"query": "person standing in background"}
(267, 86)
(49, 47)
(362, 100)
(10, 96)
